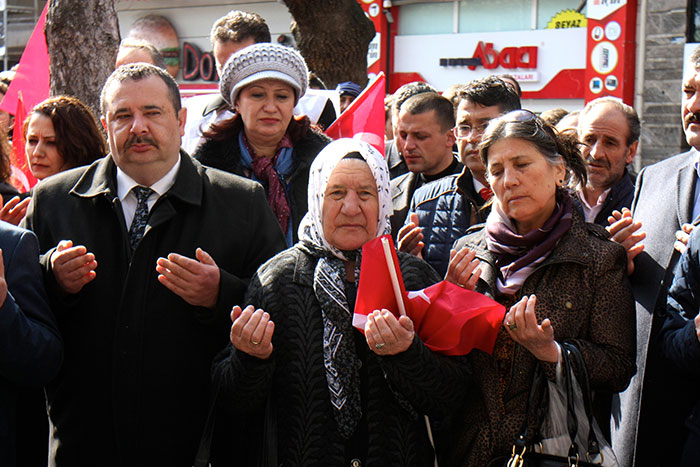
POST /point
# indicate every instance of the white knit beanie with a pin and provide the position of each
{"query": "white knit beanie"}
(263, 61)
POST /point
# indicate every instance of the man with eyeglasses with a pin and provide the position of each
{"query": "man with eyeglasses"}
(425, 139)
(441, 212)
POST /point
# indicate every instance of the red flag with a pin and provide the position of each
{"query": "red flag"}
(448, 319)
(22, 177)
(32, 77)
(364, 118)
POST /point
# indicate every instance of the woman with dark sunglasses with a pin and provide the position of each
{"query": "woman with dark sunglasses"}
(560, 278)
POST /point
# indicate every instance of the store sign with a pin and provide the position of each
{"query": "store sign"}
(374, 51)
(599, 9)
(548, 63)
(373, 9)
(567, 19)
(198, 64)
(611, 49)
(508, 58)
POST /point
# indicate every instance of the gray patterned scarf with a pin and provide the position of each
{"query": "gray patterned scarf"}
(339, 356)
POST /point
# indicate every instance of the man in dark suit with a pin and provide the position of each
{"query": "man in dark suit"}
(175, 243)
(648, 426)
(30, 347)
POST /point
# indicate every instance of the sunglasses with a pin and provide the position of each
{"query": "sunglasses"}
(521, 115)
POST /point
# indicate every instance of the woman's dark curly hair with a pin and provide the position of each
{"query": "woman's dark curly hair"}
(79, 139)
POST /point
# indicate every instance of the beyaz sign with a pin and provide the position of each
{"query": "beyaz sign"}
(485, 55)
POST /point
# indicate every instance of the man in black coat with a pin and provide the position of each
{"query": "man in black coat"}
(146, 251)
(30, 347)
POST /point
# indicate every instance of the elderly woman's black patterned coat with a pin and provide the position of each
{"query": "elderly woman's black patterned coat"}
(400, 389)
(582, 287)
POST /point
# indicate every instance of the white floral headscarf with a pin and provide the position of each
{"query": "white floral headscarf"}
(311, 226)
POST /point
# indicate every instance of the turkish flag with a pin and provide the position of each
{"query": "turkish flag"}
(29, 87)
(364, 118)
(32, 77)
(22, 177)
(448, 319)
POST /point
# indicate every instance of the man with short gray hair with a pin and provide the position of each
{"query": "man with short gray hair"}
(176, 243)
(609, 130)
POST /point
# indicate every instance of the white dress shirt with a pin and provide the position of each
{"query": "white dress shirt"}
(591, 212)
(128, 198)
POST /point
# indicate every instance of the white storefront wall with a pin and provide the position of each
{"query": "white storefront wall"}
(558, 49)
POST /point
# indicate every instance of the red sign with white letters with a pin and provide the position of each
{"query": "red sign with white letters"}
(509, 57)
(610, 61)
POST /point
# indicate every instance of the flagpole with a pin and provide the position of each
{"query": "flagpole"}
(402, 309)
(394, 278)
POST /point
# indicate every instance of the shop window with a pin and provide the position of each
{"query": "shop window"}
(694, 21)
(485, 15)
(426, 18)
(495, 15)
(547, 9)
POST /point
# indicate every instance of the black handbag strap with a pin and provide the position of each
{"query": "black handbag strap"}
(578, 366)
(571, 418)
(573, 363)
(204, 450)
(531, 412)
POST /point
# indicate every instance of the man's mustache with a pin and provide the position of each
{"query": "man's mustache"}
(140, 140)
(600, 163)
(692, 118)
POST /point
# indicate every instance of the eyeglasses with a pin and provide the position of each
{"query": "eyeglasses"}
(463, 131)
(524, 116)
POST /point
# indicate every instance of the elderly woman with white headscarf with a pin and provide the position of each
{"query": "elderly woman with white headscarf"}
(335, 397)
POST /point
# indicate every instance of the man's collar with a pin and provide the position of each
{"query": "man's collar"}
(216, 104)
(601, 198)
(477, 184)
(100, 178)
(125, 183)
(696, 156)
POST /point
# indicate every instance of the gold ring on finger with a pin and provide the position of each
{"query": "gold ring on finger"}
(254, 342)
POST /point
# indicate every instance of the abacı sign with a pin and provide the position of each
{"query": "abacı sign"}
(486, 56)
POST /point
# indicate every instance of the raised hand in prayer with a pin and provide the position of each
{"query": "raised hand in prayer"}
(72, 266)
(252, 331)
(387, 335)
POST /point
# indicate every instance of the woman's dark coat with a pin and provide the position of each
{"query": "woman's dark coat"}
(226, 155)
(582, 287)
(296, 378)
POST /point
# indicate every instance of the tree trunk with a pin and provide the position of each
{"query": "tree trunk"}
(83, 40)
(333, 36)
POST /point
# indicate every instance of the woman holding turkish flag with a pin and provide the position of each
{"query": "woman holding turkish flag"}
(327, 394)
(562, 279)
